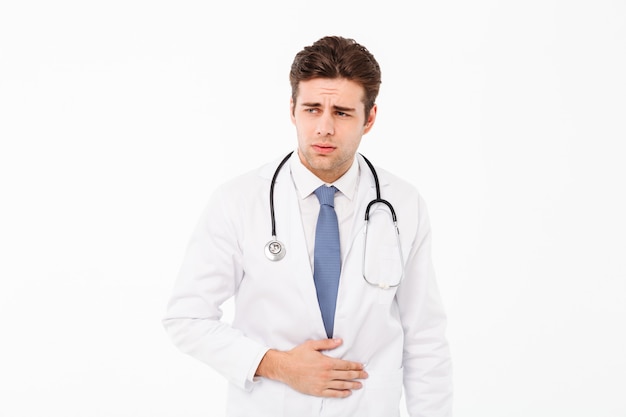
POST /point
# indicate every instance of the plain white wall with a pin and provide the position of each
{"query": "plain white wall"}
(118, 118)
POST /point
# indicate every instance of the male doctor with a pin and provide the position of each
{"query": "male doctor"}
(335, 317)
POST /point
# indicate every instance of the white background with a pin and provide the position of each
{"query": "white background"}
(118, 118)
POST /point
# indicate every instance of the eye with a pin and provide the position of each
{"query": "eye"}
(342, 114)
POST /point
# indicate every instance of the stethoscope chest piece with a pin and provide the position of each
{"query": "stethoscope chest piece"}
(275, 250)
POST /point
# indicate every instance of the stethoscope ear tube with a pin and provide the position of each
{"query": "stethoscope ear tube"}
(384, 285)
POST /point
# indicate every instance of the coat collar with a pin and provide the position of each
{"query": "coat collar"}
(366, 188)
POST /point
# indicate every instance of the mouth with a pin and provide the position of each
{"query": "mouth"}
(323, 149)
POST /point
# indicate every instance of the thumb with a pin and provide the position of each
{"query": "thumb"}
(325, 344)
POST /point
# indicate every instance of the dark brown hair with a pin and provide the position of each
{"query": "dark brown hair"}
(337, 57)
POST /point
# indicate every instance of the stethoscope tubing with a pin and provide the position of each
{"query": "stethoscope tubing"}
(272, 215)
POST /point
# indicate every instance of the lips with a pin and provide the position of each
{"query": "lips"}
(323, 149)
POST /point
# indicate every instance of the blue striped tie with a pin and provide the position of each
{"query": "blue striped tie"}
(327, 257)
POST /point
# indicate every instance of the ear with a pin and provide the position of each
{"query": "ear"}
(371, 118)
(292, 110)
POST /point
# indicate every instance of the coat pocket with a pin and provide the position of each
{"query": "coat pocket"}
(381, 394)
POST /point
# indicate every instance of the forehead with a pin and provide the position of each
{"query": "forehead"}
(330, 88)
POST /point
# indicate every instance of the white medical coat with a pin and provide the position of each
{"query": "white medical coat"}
(399, 333)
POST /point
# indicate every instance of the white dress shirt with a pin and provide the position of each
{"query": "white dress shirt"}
(306, 183)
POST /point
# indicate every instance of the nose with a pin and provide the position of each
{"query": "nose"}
(325, 125)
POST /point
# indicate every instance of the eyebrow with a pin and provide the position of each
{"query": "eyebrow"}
(336, 108)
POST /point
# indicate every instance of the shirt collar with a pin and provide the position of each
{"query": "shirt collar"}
(306, 182)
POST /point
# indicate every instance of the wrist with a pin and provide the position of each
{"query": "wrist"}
(269, 365)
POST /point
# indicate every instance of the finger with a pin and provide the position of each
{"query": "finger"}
(344, 385)
(336, 393)
(348, 375)
(343, 365)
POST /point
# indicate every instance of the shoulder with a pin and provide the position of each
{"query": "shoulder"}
(391, 183)
(249, 184)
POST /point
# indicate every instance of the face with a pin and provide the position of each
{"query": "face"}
(330, 120)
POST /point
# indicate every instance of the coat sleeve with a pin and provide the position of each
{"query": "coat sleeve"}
(210, 274)
(426, 356)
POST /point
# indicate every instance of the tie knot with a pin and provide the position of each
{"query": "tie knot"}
(326, 195)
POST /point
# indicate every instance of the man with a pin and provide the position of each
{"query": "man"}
(334, 333)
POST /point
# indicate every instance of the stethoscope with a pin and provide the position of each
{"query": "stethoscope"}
(275, 250)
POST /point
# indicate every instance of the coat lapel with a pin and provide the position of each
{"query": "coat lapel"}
(289, 224)
(366, 192)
